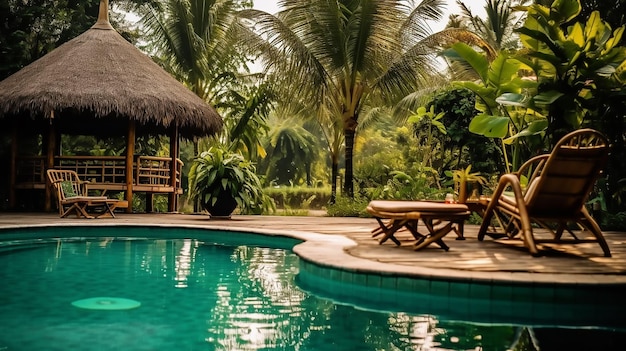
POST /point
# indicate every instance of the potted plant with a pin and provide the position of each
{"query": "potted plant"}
(463, 178)
(222, 180)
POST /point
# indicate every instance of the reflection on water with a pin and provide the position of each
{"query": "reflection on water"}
(196, 296)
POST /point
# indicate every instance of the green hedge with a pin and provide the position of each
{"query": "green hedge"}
(299, 197)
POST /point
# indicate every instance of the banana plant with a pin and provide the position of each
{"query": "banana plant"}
(462, 177)
(577, 65)
(504, 98)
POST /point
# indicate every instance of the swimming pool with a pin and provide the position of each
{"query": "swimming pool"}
(215, 290)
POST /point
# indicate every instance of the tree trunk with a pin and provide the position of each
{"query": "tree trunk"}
(334, 172)
(348, 186)
(307, 166)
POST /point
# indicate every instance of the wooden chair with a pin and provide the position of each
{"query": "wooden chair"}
(73, 198)
(559, 184)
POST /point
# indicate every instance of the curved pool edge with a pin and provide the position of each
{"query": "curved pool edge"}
(329, 251)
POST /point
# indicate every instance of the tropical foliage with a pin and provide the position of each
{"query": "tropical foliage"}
(291, 152)
(466, 148)
(32, 28)
(218, 171)
(571, 68)
(576, 67)
(192, 39)
(342, 56)
(497, 29)
(347, 67)
(502, 97)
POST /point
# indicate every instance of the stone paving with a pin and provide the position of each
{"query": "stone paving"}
(489, 259)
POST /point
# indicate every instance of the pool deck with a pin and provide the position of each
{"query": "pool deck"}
(348, 243)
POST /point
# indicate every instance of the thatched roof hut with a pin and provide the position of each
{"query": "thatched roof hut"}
(99, 84)
(94, 83)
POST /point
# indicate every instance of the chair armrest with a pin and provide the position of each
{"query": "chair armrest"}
(539, 160)
(532, 170)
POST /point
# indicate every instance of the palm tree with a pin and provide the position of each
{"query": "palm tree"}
(340, 56)
(291, 151)
(191, 39)
(497, 27)
(491, 34)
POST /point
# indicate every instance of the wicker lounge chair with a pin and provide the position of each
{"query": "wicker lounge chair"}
(73, 198)
(438, 218)
(559, 184)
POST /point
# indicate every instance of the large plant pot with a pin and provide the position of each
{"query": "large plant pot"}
(223, 207)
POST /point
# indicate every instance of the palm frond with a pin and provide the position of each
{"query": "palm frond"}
(406, 107)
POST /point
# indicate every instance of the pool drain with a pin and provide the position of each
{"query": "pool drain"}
(106, 303)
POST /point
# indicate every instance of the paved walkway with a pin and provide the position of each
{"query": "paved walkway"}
(487, 260)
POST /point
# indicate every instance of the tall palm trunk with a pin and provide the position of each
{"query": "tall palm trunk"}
(348, 185)
(334, 173)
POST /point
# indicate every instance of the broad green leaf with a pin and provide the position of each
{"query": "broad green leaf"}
(538, 126)
(620, 72)
(503, 70)
(534, 128)
(485, 101)
(528, 41)
(603, 37)
(577, 34)
(440, 126)
(511, 99)
(476, 60)
(547, 97)
(473, 86)
(564, 10)
(210, 178)
(531, 64)
(490, 126)
(544, 45)
(594, 27)
(605, 71)
(239, 173)
(574, 53)
(614, 40)
(539, 10)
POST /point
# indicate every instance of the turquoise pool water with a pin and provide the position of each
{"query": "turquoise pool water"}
(200, 290)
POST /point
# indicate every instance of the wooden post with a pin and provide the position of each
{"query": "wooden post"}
(174, 151)
(50, 151)
(13, 166)
(130, 153)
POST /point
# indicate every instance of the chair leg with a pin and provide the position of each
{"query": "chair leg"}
(593, 226)
(71, 209)
(527, 235)
(436, 235)
(486, 220)
(107, 212)
(79, 209)
(389, 231)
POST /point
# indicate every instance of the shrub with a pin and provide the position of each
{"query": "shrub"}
(297, 197)
(347, 207)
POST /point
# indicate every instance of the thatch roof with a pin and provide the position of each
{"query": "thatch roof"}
(100, 80)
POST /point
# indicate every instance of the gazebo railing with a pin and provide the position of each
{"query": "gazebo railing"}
(156, 171)
(95, 169)
(150, 173)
